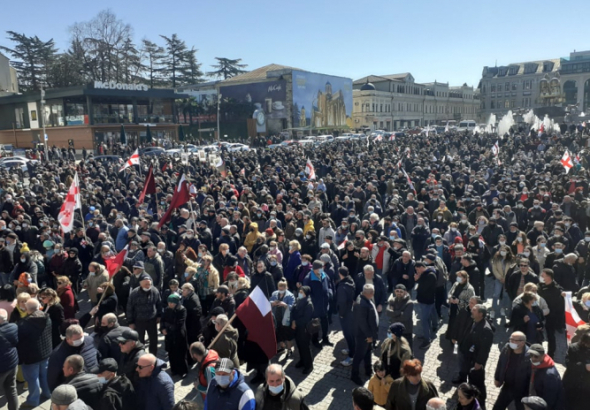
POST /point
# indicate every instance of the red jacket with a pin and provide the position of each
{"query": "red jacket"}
(209, 361)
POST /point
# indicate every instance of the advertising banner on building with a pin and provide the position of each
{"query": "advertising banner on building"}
(321, 101)
(268, 96)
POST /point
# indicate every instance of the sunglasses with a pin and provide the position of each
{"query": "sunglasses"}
(524, 266)
(143, 367)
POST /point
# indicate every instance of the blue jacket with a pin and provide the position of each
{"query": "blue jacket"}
(157, 391)
(237, 396)
(321, 293)
(294, 261)
(122, 239)
(8, 343)
(55, 375)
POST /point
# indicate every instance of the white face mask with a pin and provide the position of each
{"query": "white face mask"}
(503, 253)
(513, 346)
(459, 280)
(527, 253)
(78, 342)
(502, 243)
(535, 363)
(519, 239)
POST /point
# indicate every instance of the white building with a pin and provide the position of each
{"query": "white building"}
(391, 102)
(8, 78)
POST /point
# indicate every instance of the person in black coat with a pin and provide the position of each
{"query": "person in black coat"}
(528, 318)
(76, 342)
(345, 297)
(192, 304)
(402, 271)
(131, 350)
(261, 278)
(549, 290)
(72, 268)
(55, 310)
(87, 385)
(513, 281)
(106, 340)
(565, 273)
(366, 321)
(173, 326)
(118, 392)
(8, 359)
(301, 315)
(380, 296)
(576, 379)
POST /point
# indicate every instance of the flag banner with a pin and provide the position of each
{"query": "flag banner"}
(566, 161)
(572, 319)
(114, 264)
(71, 203)
(309, 170)
(181, 196)
(133, 160)
(256, 315)
(149, 186)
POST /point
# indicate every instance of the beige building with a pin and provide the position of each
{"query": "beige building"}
(8, 78)
(391, 102)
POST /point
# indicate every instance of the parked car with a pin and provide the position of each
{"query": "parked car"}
(152, 151)
(110, 159)
(467, 125)
(238, 147)
(17, 163)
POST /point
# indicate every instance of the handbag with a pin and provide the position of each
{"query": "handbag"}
(313, 326)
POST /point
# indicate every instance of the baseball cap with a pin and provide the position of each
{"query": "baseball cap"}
(325, 246)
(128, 334)
(108, 365)
(537, 349)
(225, 365)
(138, 264)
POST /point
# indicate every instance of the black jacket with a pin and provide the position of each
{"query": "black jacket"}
(576, 378)
(345, 294)
(8, 346)
(552, 295)
(265, 281)
(523, 374)
(108, 345)
(478, 342)
(565, 276)
(88, 388)
(143, 305)
(426, 287)
(192, 304)
(128, 363)
(55, 375)
(399, 269)
(34, 335)
(118, 394)
(380, 296)
(365, 319)
(56, 314)
(514, 280)
(302, 312)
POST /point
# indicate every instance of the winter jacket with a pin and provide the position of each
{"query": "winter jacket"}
(252, 236)
(555, 302)
(514, 280)
(68, 302)
(576, 379)
(402, 311)
(227, 345)
(156, 392)
(546, 383)
(294, 262)
(345, 295)
(128, 363)
(399, 269)
(108, 346)
(386, 257)
(8, 346)
(88, 388)
(265, 281)
(523, 373)
(467, 293)
(55, 375)
(380, 388)
(93, 281)
(34, 335)
(56, 314)
(380, 296)
(143, 305)
(118, 394)
(501, 267)
(477, 344)
(426, 287)
(237, 396)
(291, 397)
(321, 293)
(399, 399)
(302, 313)
(155, 268)
(565, 276)
(193, 317)
(366, 319)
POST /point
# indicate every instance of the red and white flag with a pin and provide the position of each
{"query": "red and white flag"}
(133, 160)
(181, 196)
(496, 148)
(541, 129)
(392, 137)
(309, 170)
(577, 159)
(256, 315)
(243, 172)
(149, 187)
(343, 244)
(566, 161)
(410, 184)
(379, 138)
(72, 202)
(114, 264)
(572, 319)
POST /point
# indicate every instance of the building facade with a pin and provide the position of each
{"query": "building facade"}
(88, 115)
(391, 102)
(8, 77)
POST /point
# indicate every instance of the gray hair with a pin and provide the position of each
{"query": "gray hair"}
(32, 305)
(368, 268)
(74, 330)
(436, 403)
(275, 368)
(368, 289)
(111, 318)
(188, 286)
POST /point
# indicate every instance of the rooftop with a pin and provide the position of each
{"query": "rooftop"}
(258, 74)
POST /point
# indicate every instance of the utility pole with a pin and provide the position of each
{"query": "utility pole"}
(218, 107)
(42, 116)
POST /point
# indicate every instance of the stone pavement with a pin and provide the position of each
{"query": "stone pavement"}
(329, 387)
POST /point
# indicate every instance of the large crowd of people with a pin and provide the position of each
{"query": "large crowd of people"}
(384, 231)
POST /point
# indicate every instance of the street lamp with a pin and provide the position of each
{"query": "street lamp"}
(43, 122)
(218, 107)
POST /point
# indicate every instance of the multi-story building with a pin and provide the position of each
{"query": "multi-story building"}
(8, 77)
(390, 102)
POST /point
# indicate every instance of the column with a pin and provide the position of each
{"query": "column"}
(135, 112)
(90, 110)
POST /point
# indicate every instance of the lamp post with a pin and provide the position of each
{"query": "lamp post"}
(43, 123)
(218, 110)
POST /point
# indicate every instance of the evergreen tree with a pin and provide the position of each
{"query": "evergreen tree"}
(174, 63)
(153, 55)
(192, 73)
(227, 68)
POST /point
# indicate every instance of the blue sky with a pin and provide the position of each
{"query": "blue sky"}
(447, 41)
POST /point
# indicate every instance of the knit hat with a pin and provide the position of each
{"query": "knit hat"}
(48, 244)
(318, 264)
(397, 329)
(25, 248)
(64, 395)
(535, 403)
(174, 298)
(144, 276)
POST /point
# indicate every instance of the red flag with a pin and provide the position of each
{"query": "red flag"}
(566, 161)
(572, 319)
(114, 264)
(343, 244)
(72, 202)
(309, 170)
(149, 186)
(133, 160)
(256, 315)
(181, 196)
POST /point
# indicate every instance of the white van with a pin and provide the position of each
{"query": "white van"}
(467, 125)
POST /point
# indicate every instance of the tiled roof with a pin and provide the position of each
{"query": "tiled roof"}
(257, 74)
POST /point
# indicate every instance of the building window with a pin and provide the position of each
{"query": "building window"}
(19, 113)
(493, 88)
(507, 104)
(492, 104)
(507, 87)
(381, 108)
(514, 86)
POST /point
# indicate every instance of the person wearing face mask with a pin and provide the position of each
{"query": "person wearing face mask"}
(190, 301)
(117, 392)
(75, 343)
(528, 317)
(279, 391)
(576, 379)
(540, 250)
(282, 301)
(173, 327)
(558, 236)
(301, 316)
(228, 390)
(252, 237)
(558, 252)
(6, 263)
(522, 275)
(72, 268)
(411, 391)
(24, 265)
(545, 379)
(503, 264)
(168, 261)
(144, 311)
(262, 279)
(97, 274)
(395, 350)
(458, 298)
(565, 272)
(513, 372)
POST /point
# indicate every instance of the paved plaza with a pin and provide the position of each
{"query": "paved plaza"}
(329, 387)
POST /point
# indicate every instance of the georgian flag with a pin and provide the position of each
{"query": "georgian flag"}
(541, 129)
(379, 138)
(255, 313)
(572, 319)
(72, 202)
(343, 244)
(309, 170)
(566, 161)
(133, 160)
(392, 137)
(496, 148)
(410, 184)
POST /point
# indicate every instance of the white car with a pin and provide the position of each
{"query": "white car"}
(209, 148)
(322, 139)
(17, 162)
(306, 142)
(238, 147)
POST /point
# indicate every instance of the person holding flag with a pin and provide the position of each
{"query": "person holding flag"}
(133, 160)
(566, 161)
(72, 202)
(309, 170)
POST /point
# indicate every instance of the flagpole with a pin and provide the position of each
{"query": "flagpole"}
(221, 331)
